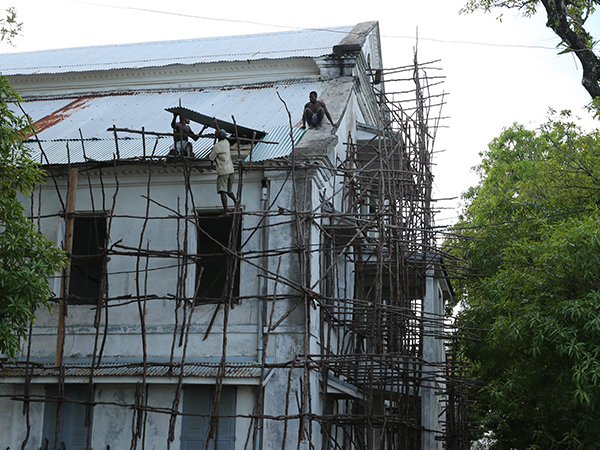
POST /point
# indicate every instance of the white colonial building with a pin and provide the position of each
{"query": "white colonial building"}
(311, 317)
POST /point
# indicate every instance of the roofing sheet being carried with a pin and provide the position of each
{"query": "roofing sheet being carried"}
(311, 43)
(229, 127)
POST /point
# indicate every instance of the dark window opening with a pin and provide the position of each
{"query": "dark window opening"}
(87, 260)
(217, 270)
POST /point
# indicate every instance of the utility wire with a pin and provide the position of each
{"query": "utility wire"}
(250, 22)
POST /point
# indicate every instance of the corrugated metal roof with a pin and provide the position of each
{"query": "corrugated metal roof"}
(63, 152)
(255, 106)
(299, 43)
(263, 151)
(197, 370)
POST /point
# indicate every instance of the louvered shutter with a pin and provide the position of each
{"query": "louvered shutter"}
(197, 400)
(226, 428)
(50, 417)
(76, 439)
(72, 418)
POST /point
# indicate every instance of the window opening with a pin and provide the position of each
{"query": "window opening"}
(87, 260)
(215, 263)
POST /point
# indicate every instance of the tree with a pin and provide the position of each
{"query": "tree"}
(27, 258)
(530, 235)
(9, 27)
(566, 18)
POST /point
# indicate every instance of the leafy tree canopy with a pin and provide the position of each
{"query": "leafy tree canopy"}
(567, 19)
(27, 258)
(530, 234)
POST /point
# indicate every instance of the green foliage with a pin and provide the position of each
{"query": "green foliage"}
(531, 235)
(527, 7)
(27, 258)
(9, 27)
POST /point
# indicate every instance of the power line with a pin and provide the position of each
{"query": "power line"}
(250, 22)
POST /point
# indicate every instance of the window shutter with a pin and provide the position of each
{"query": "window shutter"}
(72, 418)
(226, 429)
(78, 432)
(50, 417)
(197, 400)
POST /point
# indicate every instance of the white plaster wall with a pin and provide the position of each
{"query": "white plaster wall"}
(112, 424)
(13, 423)
(432, 353)
(278, 436)
(124, 332)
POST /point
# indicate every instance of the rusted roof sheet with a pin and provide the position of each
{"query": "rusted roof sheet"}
(311, 43)
(197, 370)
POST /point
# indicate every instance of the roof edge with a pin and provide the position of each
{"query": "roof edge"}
(355, 39)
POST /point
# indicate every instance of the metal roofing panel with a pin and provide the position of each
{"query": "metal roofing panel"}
(197, 370)
(63, 152)
(74, 151)
(229, 127)
(65, 120)
(298, 43)
(263, 151)
(257, 106)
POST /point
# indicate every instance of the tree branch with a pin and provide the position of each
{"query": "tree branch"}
(566, 20)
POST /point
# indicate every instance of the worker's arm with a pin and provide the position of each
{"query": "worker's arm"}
(173, 122)
(304, 117)
(196, 136)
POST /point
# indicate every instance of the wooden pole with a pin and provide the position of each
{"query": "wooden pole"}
(114, 128)
(64, 287)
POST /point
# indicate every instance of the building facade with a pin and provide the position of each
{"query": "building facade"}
(310, 316)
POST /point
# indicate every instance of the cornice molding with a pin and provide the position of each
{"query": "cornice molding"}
(168, 77)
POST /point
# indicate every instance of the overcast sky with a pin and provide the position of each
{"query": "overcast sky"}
(496, 72)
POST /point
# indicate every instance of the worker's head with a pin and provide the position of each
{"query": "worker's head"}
(221, 134)
(312, 96)
(183, 119)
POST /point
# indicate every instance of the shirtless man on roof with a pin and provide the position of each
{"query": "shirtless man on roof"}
(314, 113)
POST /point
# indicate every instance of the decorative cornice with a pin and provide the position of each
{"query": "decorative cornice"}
(169, 77)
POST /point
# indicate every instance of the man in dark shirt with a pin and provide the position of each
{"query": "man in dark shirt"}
(182, 131)
(314, 113)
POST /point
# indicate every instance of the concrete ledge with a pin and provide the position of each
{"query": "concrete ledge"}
(354, 40)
